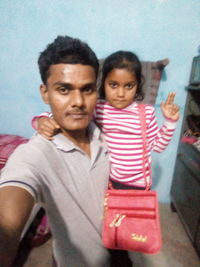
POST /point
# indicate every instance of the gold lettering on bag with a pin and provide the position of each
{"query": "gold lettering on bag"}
(117, 220)
(139, 238)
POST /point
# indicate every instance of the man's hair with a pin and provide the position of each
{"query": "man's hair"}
(67, 50)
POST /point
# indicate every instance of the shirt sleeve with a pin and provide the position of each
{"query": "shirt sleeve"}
(159, 138)
(19, 172)
(34, 122)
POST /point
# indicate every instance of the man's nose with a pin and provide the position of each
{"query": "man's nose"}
(77, 98)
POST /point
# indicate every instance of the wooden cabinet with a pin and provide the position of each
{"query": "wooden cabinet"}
(185, 190)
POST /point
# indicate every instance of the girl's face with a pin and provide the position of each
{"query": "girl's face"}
(120, 88)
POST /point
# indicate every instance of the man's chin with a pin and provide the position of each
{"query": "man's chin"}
(75, 127)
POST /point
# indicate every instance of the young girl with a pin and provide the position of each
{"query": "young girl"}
(117, 114)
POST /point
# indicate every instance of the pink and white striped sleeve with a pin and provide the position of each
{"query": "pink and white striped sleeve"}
(34, 121)
(159, 139)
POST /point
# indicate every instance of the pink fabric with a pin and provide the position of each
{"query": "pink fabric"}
(8, 143)
(34, 122)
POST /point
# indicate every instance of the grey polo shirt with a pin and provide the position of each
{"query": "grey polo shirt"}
(71, 186)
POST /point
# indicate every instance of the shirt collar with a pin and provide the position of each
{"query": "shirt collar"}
(63, 143)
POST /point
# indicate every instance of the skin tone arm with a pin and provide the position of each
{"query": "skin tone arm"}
(48, 127)
(15, 207)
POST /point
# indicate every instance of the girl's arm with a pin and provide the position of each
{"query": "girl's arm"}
(45, 125)
(35, 119)
(159, 139)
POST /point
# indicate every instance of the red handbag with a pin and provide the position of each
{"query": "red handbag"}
(131, 217)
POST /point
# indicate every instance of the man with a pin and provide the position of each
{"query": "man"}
(69, 174)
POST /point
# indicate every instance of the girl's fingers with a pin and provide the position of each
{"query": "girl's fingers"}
(170, 98)
(175, 109)
(54, 123)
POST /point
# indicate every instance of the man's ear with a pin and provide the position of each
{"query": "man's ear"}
(44, 93)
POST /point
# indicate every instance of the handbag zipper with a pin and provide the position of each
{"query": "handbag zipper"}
(146, 216)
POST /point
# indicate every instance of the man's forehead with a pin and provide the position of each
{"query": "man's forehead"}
(71, 68)
(72, 73)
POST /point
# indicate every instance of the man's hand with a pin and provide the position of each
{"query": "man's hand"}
(47, 127)
(169, 109)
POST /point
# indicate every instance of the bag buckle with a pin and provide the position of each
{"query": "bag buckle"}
(117, 220)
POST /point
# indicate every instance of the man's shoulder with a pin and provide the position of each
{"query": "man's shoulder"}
(36, 145)
(37, 140)
(34, 154)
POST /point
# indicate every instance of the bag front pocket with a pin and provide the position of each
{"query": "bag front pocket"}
(134, 230)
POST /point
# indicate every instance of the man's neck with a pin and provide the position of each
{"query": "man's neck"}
(80, 138)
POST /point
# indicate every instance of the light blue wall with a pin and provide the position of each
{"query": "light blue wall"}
(154, 29)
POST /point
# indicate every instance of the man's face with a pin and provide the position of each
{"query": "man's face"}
(71, 93)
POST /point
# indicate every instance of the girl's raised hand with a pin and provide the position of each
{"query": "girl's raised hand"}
(47, 127)
(169, 109)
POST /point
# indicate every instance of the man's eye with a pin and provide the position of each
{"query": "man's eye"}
(63, 90)
(88, 90)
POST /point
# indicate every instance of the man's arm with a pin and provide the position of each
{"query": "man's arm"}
(15, 207)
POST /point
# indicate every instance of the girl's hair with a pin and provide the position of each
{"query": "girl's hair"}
(123, 60)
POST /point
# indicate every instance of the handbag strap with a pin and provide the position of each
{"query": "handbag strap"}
(142, 115)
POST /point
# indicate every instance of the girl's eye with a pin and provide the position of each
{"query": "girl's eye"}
(130, 85)
(113, 85)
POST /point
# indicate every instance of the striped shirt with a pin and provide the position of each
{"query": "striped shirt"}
(122, 132)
